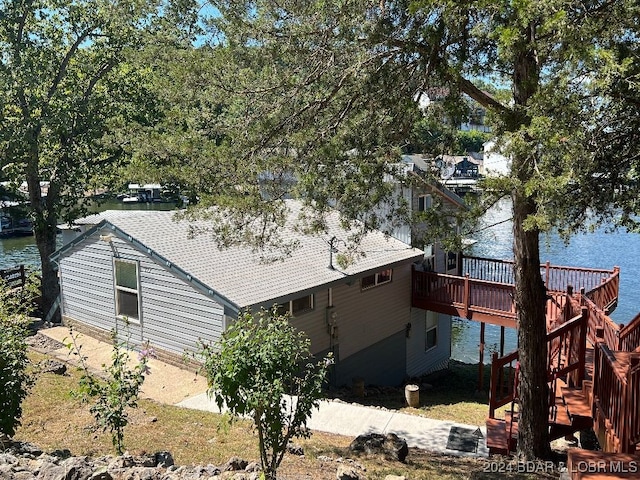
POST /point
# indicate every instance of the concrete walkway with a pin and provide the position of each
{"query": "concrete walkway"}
(171, 385)
(351, 420)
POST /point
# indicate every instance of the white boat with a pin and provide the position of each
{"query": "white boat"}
(147, 193)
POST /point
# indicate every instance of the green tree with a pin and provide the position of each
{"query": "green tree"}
(69, 89)
(262, 369)
(326, 92)
(15, 380)
(471, 141)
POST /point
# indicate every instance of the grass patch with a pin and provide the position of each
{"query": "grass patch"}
(55, 419)
(452, 396)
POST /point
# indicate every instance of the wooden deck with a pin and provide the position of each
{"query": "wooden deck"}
(593, 465)
(593, 363)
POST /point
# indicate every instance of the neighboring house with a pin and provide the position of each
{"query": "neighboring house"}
(421, 196)
(141, 268)
(494, 161)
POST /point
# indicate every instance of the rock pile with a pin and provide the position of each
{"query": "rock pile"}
(390, 446)
(25, 461)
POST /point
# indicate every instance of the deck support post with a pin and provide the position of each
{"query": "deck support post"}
(502, 340)
(481, 364)
(467, 296)
(547, 267)
(582, 346)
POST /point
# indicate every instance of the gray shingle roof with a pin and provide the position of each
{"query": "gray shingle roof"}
(239, 274)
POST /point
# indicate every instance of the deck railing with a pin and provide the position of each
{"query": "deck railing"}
(633, 397)
(566, 357)
(463, 296)
(616, 396)
(605, 295)
(629, 337)
(500, 271)
(609, 387)
(555, 277)
(14, 277)
(501, 387)
(566, 345)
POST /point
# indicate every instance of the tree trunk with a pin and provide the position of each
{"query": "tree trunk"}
(530, 292)
(44, 231)
(530, 298)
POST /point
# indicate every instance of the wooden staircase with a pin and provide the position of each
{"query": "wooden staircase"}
(595, 387)
(570, 412)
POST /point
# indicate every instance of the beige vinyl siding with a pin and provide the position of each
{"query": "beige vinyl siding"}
(365, 317)
(314, 323)
(174, 314)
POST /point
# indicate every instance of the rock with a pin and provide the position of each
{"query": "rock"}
(324, 458)
(77, 468)
(52, 366)
(144, 473)
(234, 464)
(395, 477)
(253, 467)
(294, 449)
(51, 471)
(64, 453)
(8, 459)
(390, 445)
(164, 459)
(395, 448)
(146, 461)
(348, 472)
(23, 475)
(101, 474)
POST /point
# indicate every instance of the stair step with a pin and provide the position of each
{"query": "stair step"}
(561, 416)
(576, 402)
(511, 420)
(497, 436)
(587, 390)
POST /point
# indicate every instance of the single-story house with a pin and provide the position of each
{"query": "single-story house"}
(143, 269)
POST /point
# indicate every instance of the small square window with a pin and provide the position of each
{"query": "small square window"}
(376, 279)
(297, 306)
(301, 304)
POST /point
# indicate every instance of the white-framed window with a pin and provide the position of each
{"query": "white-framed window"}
(376, 279)
(127, 289)
(297, 306)
(424, 203)
(431, 331)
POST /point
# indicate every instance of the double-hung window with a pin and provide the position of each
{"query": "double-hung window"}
(431, 331)
(127, 288)
(377, 279)
(424, 203)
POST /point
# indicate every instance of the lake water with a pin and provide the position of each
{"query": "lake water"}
(22, 250)
(596, 250)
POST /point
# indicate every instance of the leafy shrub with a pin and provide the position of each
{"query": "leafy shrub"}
(261, 369)
(119, 392)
